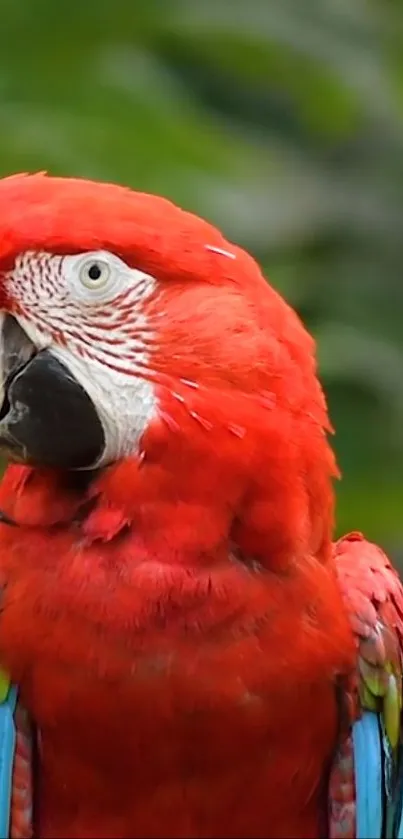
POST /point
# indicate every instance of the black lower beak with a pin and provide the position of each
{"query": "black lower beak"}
(47, 418)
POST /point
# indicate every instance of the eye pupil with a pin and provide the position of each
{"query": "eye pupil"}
(94, 271)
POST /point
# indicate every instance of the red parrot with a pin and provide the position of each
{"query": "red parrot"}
(193, 656)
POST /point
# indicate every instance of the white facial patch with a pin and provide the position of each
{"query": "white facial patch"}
(125, 404)
(2, 371)
(89, 310)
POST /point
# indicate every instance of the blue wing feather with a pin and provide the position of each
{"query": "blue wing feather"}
(369, 781)
(7, 750)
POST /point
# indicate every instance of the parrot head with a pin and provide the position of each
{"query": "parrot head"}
(131, 329)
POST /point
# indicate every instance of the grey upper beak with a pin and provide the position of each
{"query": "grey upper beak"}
(16, 350)
(46, 416)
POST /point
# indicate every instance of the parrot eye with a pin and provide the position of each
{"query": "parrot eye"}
(94, 273)
(97, 277)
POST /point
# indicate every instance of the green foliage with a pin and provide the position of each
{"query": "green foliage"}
(282, 122)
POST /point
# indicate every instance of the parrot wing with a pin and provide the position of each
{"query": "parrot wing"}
(366, 791)
(21, 809)
(16, 765)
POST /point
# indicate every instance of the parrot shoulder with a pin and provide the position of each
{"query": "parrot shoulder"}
(365, 785)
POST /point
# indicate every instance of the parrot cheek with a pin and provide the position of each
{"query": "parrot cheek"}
(47, 418)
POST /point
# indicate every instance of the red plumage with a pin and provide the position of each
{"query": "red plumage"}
(176, 623)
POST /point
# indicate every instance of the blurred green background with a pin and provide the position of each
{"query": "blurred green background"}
(279, 120)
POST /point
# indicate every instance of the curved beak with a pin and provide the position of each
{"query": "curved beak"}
(46, 416)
